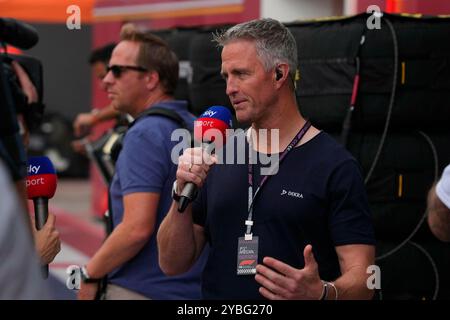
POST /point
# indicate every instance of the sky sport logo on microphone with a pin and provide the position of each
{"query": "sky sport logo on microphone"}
(33, 170)
(41, 178)
(213, 131)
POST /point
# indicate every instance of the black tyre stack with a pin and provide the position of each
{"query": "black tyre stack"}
(200, 82)
(399, 130)
(208, 88)
(180, 40)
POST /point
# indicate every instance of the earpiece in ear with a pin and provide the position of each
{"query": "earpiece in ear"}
(278, 74)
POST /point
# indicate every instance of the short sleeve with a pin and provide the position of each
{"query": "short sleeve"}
(350, 221)
(145, 162)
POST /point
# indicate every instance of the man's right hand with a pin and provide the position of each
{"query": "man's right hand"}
(47, 240)
(193, 166)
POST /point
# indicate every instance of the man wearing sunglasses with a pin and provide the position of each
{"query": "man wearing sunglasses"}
(142, 74)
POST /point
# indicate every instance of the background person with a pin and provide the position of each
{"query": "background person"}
(84, 122)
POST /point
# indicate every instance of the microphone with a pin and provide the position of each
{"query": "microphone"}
(41, 186)
(18, 34)
(208, 128)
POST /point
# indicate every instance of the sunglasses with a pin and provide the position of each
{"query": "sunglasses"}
(117, 70)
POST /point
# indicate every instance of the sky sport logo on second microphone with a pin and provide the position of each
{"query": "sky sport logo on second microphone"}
(41, 177)
(32, 171)
(213, 128)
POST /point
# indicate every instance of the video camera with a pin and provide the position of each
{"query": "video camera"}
(23, 36)
(13, 101)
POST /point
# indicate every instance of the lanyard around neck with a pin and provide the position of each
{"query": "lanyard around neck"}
(251, 196)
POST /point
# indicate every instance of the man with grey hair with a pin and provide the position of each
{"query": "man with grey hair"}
(302, 233)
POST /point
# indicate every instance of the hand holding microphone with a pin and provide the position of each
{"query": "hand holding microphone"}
(47, 240)
(41, 186)
(194, 164)
(192, 171)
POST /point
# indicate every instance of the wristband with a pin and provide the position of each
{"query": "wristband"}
(331, 284)
(85, 276)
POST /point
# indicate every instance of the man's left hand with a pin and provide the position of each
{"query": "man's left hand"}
(280, 281)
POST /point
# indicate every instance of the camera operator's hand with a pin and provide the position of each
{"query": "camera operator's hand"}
(47, 240)
(27, 86)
